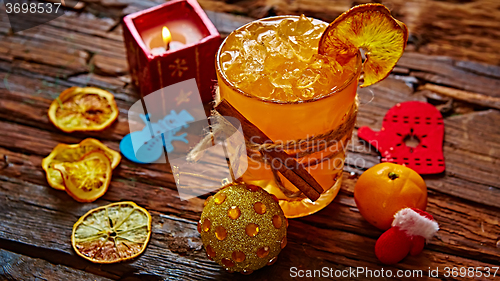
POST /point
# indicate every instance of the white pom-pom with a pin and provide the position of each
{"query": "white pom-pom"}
(415, 224)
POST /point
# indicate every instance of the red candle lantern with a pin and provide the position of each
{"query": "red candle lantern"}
(171, 43)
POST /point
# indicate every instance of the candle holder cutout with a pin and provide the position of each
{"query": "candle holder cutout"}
(411, 135)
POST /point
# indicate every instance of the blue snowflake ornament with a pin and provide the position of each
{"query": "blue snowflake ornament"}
(146, 146)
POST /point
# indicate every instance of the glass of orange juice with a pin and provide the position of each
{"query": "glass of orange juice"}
(271, 72)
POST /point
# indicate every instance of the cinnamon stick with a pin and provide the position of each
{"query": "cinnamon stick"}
(288, 166)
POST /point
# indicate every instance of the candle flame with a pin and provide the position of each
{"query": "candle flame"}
(167, 37)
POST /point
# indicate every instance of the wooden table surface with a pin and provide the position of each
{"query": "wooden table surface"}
(85, 48)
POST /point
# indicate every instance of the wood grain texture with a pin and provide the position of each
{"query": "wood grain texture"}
(81, 49)
(175, 244)
(20, 267)
(465, 30)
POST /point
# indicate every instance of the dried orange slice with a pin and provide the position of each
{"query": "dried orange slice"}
(83, 109)
(72, 153)
(112, 233)
(87, 179)
(369, 27)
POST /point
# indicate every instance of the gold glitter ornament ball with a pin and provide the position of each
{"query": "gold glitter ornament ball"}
(243, 228)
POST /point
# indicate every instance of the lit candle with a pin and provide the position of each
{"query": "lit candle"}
(156, 61)
(167, 37)
(171, 36)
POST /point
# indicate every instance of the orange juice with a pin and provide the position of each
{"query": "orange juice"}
(271, 72)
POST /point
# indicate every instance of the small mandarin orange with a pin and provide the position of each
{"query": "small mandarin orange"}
(386, 188)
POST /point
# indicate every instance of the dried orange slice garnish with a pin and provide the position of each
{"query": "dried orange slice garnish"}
(369, 27)
(87, 179)
(72, 153)
(112, 233)
(83, 109)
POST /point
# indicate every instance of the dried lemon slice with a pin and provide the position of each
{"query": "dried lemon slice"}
(369, 27)
(87, 179)
(83, 109)
(72, 153)
(112, 233)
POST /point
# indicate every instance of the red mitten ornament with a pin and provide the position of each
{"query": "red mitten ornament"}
(410, 230)
(419, 120)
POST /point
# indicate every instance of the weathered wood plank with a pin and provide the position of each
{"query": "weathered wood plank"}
(443, 71)
(35, 205)
(19, 267)
(27, 103)
(336, 237)
(460, 29)
(128, 179)
(226, 23)
(479, 68)
(71, 45)
(54, 216)
(478, 180)
(157, 186)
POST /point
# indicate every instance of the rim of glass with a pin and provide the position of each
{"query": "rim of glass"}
(238, 90)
